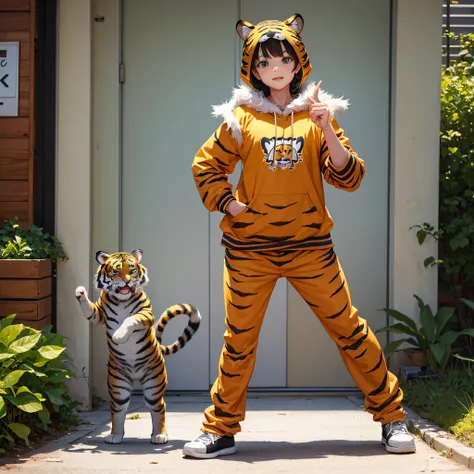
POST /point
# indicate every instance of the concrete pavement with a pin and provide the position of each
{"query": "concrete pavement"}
(288, 434)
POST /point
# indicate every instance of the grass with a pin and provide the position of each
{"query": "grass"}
(447, 400)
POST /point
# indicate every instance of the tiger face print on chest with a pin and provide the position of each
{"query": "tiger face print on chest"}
(133, 338)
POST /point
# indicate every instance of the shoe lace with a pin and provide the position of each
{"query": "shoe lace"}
(396, 427)
(208, 438)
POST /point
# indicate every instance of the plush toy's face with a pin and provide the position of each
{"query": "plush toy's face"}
(253, 35)
(121, 273)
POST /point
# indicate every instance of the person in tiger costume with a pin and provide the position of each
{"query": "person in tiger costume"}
(283, 131)
(133, 338)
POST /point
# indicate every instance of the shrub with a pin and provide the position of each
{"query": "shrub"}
(33, 396)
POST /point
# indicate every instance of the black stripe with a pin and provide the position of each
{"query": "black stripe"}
(229, 375)
(281, 207)
(235, 359)
(281, 223)
(385, 404)
(307, 277)
(222, 414)
(241, 225)
(339, 289)
(239, 306)
(233, 257)
(240, 293)
(334, 316)
(356, 344)
(220, 399)
(378, 364)
(356, 331)
(222, 147)
(361, 355)
(236, 330)
(231, 350)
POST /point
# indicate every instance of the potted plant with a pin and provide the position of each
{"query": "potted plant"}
(26, 271)
(432, 340)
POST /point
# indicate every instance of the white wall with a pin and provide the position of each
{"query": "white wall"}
(415, 149)
(73, 192)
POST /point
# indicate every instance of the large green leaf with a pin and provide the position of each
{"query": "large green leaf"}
(5, 356)
(50, 352)
(21, 430)
(32, 370)
(399, 328)
(44, 416)
(450, 336)
(3, 407)
(25, 400)
(54, 394)
(25, 344)
(6, 321)
(438, 350)
(469, 303)
(401, 317)
(12, 378)
(428, 323)
(442, 317)
(392, 346)
(10, 333)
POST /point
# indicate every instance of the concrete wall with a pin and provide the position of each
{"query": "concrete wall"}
(415, 150)
(73, 193)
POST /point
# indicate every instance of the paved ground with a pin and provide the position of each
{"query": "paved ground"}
(327, 435)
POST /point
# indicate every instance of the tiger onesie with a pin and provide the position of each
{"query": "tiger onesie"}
(133, 338)
(282, 232)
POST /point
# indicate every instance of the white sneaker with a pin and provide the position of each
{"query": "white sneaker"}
(210, 445)
(397, 439)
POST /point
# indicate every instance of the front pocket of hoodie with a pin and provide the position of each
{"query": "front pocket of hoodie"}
(278, 217)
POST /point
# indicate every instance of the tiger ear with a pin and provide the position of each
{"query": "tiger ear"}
(101, 257)
(244, 28)
(295, 22)
(138, 254)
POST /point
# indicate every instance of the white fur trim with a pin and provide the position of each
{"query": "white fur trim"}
(244, 95)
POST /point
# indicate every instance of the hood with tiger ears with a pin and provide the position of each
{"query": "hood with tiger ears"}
(253, 35)
(244, 95)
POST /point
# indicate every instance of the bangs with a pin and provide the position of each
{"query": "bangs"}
(273, 47)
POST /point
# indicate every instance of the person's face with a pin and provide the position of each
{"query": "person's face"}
(275, 72)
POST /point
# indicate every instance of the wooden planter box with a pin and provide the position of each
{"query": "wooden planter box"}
(25, 290)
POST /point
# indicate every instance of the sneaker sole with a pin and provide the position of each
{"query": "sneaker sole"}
(403, 449)
(215, 454)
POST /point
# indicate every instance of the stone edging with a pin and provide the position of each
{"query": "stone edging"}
(439, 439)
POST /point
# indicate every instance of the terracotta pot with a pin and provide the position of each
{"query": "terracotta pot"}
(417, 357)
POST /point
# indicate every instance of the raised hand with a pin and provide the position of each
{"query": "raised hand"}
(318, 111)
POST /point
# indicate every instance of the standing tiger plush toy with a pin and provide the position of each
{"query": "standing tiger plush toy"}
(133, 337)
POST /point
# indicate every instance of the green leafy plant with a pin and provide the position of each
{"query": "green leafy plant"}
(434, 336)
(456, 192)
(40, 244)
(17, 248)
(33, 396)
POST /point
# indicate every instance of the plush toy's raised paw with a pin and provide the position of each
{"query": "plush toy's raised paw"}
(159, 439)
(81, 293)
(121, 335)
(113, 439)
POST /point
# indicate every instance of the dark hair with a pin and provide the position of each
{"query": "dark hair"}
(273, 47)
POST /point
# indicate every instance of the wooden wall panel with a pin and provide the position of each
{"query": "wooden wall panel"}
(14, 5)
(18, 23)
(14, 169)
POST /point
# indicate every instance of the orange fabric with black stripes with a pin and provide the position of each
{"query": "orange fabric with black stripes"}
(286, 206)
(249, 279)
